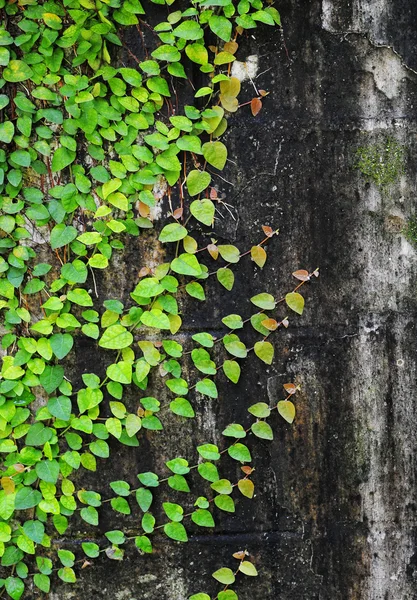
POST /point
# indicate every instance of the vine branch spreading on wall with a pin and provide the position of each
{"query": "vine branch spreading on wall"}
(88, 151)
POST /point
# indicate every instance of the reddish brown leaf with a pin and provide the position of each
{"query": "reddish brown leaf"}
(268, 231)
(255, 106)
(302, 275)
(213, 193)
(263, 93)
(247, 469)
(270, 324)
(290, 388)
(177, 214)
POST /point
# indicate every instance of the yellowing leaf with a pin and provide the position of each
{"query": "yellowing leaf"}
(287, 410)
(258, 255)
(295, 301)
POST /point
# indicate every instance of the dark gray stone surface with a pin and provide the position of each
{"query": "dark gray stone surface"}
(334, 517)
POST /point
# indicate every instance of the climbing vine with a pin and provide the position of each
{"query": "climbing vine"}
(89, 152)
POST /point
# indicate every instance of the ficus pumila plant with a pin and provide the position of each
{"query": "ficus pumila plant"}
(88, 154)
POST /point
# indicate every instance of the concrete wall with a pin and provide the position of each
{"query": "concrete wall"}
(335, 513)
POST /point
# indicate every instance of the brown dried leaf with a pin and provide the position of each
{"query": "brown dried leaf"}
(177, 214)
(19, 468)
(302, 275)
(231, 47)
(240, 555)
(144, 209)
(86, 563)
(144, 271)
(285, 322)
(263, 93)
(213, 193)
(255, 106)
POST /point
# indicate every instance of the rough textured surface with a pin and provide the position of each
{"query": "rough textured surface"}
(335, 513)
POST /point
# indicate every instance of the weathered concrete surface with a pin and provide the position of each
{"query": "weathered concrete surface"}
(335, 512)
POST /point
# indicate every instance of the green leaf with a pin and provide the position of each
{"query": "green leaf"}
(155, 318)
(16, 71)
(287, 410)
(260, 410)
(262, 430)
(61, 344)
(226, 277)
(248, 568)
(225, 503)
(172, 233)
(209, 451)
(195, 290)
(186, 264)
(234, 430)
(27, 497)
(144, 498)
(215, 154)
(176, 531)
(182, 407)
(188, 30)
(199, 596)
(91, 549)
(116, 337)
(203, 211)
(264, 351)
(121, 372)
(48, 470)
(6, 132)
(233, 321)
(197, 53)
(295, 301)
(174, 512)
(207, 387)
(197, 181)
(232, 370)
(239, 452)
(167, 53)
(62, 158)
(42, 582)
(208, 471)
(14, 585)
(120, 505)
(222, 486)
(143, 544)
(61, 235)
(121, 488)
(224, 576)
(202, 518)
(229, 253)
(264, 301)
